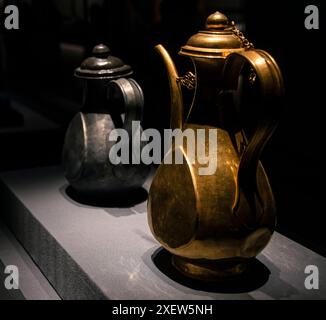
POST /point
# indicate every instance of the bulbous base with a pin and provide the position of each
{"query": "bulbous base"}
(206, 270)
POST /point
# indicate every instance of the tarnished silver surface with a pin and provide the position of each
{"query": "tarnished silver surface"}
(108, 95)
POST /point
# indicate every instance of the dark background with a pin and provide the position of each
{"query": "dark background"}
(39, 95)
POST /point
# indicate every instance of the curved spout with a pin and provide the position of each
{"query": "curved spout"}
(175, 87)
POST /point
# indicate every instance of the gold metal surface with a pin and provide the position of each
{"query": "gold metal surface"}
(188, 80)
(214, 224)
(218, 40)
(175, 87)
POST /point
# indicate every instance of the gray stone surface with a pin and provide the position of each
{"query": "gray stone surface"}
(88, 252)
(32, 284)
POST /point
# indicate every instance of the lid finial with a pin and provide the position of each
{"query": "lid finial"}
(217, 20)
(101, 51)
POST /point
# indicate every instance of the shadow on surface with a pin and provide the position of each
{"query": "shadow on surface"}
(256, 276)
(114, 200)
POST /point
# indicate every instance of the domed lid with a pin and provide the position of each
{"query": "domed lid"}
(218, 40)
(102, 65)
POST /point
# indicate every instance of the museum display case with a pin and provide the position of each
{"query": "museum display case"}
(91, 208)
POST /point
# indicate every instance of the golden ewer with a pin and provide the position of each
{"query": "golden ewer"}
(215, 224)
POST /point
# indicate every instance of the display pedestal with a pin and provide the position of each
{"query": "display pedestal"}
(89, 252)
(32, 285)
